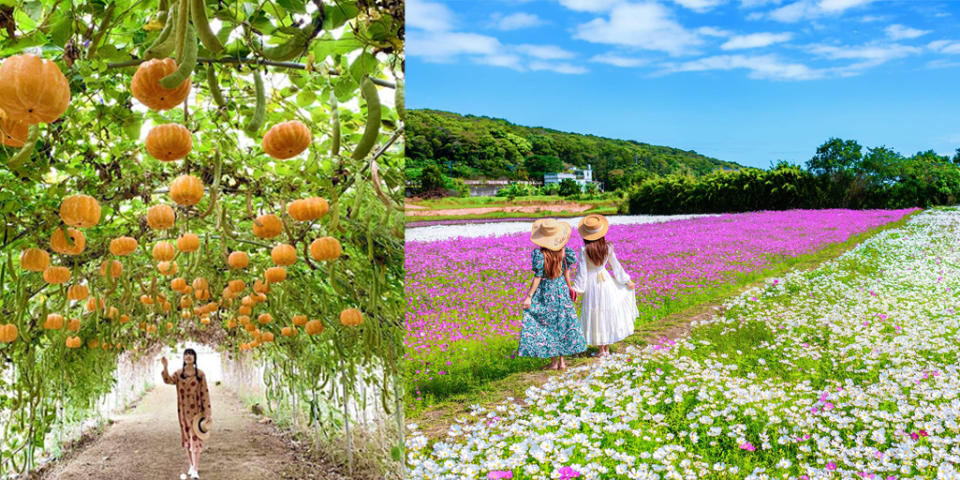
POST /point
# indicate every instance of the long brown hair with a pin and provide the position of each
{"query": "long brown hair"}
(596, 250)
(551, 264)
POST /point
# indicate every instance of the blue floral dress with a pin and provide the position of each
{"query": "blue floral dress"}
(550, 326)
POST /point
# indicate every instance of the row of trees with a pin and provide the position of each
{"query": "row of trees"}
(840, 175)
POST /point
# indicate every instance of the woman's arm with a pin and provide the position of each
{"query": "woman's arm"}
(533, 288)
(205, 397)
(618, 272)
(167, 378)
(580, 281)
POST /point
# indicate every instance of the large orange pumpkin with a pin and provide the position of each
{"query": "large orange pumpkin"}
(186, 190)
(284, 254)
(80, 211)
(8, 333)
(56, 275)
(34, 259)
(32, 89)
(123, 246)
(238, 260)
(267, 226)
(325, 248)
(78, 292)
(114, 266)
(286, 140)
(163, 252)
(146, 87)
(169, 142)
(59, 243)
(351, 317)
(54, 322)
(275, 274)
(160, 217)
(188, 242)
(13, 133)
(307, 208)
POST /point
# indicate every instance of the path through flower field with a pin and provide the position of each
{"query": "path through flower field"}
(846, 371)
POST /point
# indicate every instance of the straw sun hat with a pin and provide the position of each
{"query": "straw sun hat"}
(593, 226)
(550, 234)
(200, 428)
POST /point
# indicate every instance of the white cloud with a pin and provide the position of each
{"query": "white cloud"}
(564, 68)
(430, 16)
(445, 46)
(945, 46)
(871, 54)
(760, 67)
(714, 32)
(899, 32)
(590, 5)
(519, 20)
(618, 60)
(544, 52)
(506, 60)
(810, 9)
(648, 26)
(874, 18)
(699, 5)
(757, 3)
(943, 63)
(755, 40)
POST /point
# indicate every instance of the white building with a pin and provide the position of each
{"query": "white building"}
(583, 177)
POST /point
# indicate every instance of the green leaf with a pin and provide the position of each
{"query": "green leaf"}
(364, 65)
(337, 15)
(324, 47)
(306, 98)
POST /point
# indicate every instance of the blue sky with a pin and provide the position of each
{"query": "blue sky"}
(751, 81)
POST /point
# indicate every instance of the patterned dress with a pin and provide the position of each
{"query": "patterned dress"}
(550, 326)
(193, 398)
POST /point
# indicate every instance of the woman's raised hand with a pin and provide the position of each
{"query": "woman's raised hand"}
(163, 360)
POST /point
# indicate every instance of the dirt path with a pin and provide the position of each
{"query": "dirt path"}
(144, 444)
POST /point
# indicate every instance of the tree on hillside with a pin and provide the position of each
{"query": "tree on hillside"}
(431, 178)
(569, 188)
(835, 156)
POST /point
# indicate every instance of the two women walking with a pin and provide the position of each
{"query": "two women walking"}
(550, 325)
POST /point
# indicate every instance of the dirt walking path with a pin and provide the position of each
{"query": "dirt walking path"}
(144, 444)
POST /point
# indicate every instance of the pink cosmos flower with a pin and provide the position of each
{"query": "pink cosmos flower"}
(748, 447)
(831, 466)
(567, 473)
(500, 474)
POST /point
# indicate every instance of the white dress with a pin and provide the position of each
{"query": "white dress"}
(609, 306)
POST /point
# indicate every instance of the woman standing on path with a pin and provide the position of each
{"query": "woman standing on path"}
(609, 306)
(550, 325)
(193, 400)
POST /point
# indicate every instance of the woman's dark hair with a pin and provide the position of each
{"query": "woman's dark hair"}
(196, 370)
(596, 250)
(552, 261)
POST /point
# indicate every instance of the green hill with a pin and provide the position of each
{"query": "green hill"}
(468, 146)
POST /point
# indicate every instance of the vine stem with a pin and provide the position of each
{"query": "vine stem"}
(254, 61)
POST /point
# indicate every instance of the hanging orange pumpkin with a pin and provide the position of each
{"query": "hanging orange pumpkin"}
(124, 319)
(34, 259)
(288, 331)
(178, 284)
(188, 242)
(186, 190)
(8, 333)
(73, 325)
(275, 274)
(266, 337)
(299, 320)
(325, 248)
(264, 318)
(286, 140)
(74, 342)
(160, 217)
(59, 243)
(163, 252)
(238, 260)
(56, 275)
(169, 142)
(314, 327)
(307, 209)
(146, 87)
(32, 89)
(167, 268)
(80, 210)
(114, 266)
(123, 246)
(237, 286)
(284, 254)
(267, 226)
(78, 292)
(146, 300)
(13, 133)
(54, 322)
(200, 283)
(351, 317)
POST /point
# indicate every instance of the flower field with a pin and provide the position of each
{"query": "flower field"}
(849, 371)
(463, 294)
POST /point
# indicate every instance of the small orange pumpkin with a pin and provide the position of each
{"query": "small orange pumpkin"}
(200, 283)
(307, 209)
(284, 254)
(146, 87)
(325, 248)
(264, 318)
(78, 292)
(275, 274)
(59, 243)
(80, 210)
(13, 133)
(124, 319)
(8, 333)
(54, 322)
(74, 342)
(146, 300)
(178, 284)
(169, 142)
(351, 317)
(188, 242)
(163, 252)
(123, 246)
(56, 275)
(288, 332)
(186, 190)
(160, 217)
(314, 327)
(33, 89)
(114, 266)
(237, 286)
(73, 325)
(34, 259)
(260, 287)
(238, 260)
(266, 337)
(167, 268)
(267, 226)
(299, 320)
(286, 140)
